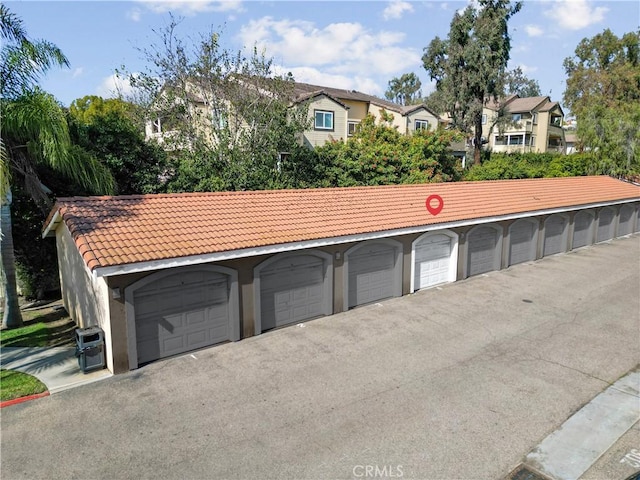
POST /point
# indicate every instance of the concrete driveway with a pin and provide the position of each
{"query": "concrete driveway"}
(454, 382)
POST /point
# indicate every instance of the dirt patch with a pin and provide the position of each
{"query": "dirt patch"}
(53, 314)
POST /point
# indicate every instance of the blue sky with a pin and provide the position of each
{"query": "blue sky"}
(355, 45)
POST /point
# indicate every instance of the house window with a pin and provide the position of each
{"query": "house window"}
(219, 118)
(324, 120)
(515, 139)
(484, 119)
(535, 118)
(516, 117)
(156, 126)
(500, 140)
(421, 125)
(533, 140)
(352, 128)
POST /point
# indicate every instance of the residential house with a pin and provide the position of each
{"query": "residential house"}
(534, 124)
(336, 113)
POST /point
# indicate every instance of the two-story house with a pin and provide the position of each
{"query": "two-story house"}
(532, 124)
(335, 113)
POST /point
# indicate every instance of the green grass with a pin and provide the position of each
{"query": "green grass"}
(16, 384)
(31, 335)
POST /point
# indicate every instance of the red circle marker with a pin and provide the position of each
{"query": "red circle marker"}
(434, 210)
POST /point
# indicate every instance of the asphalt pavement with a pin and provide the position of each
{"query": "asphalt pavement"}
(456, 382)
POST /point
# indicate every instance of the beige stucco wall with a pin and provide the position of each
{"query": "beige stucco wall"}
(314, 137)
(85, 297)
(421, 114)
(398, 122)
(357, 110)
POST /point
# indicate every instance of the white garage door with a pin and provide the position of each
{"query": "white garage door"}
(181, 312)
(483, 250)
(625, 224)
(372, 274)
(292, 290)
(582, 229)
(605, 225)
(555, 234)
(432, 260)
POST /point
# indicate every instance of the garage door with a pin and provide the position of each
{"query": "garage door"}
(483, 250)
(181, 312)
(432, 261)
(625, 224)
(292, 290)
(372, 274)
(555, 234)
(582, 229)
(522, 246)
(605, 225)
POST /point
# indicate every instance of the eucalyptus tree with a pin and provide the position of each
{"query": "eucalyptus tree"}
(469, 65)
(405, 90)
(34, 132)
(603, 92)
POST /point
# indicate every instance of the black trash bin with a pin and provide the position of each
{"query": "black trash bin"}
(90, 348)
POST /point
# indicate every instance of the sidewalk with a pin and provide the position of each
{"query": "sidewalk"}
(56, 367)
(595, 439)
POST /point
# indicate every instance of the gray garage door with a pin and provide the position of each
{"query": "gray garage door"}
(582, 229)
(483, 250)
(625, 224)
(372, 274)
(605, 225)
(433, 261)
(637, 219)
(292, 290)
(555, 234)
(181, 312)
(522, 247)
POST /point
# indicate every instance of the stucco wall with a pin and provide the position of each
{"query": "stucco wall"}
(85, 297)
(314, 137)
(421, 114)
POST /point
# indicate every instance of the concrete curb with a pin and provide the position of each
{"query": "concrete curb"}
(15, 401)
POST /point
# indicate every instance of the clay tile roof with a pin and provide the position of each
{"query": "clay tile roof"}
(121, 230)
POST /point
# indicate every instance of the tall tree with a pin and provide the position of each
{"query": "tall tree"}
(34, 132)
(404, 90)
(469, 66)
(603, 92)
(225, 116)
(107, 130)
(517, 83)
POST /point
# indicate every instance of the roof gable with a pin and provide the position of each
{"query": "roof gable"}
(122, 230)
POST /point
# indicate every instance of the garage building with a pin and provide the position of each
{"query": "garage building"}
(167, 274)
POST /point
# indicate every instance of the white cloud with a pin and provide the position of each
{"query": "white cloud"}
(114, 86)
(77, 72)
(395, 9)
(316, 77)
(533, 30)
(347, 49)
(575, 14)
(444, 6)
(192, 7)
(134, 14)
(526, 69)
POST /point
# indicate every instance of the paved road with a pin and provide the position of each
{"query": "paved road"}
(458, 382)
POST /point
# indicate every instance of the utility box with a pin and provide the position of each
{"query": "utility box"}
(90, 348)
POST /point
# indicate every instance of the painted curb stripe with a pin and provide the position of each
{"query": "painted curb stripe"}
(24, 399)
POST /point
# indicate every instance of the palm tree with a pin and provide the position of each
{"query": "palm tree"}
(34, 132)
